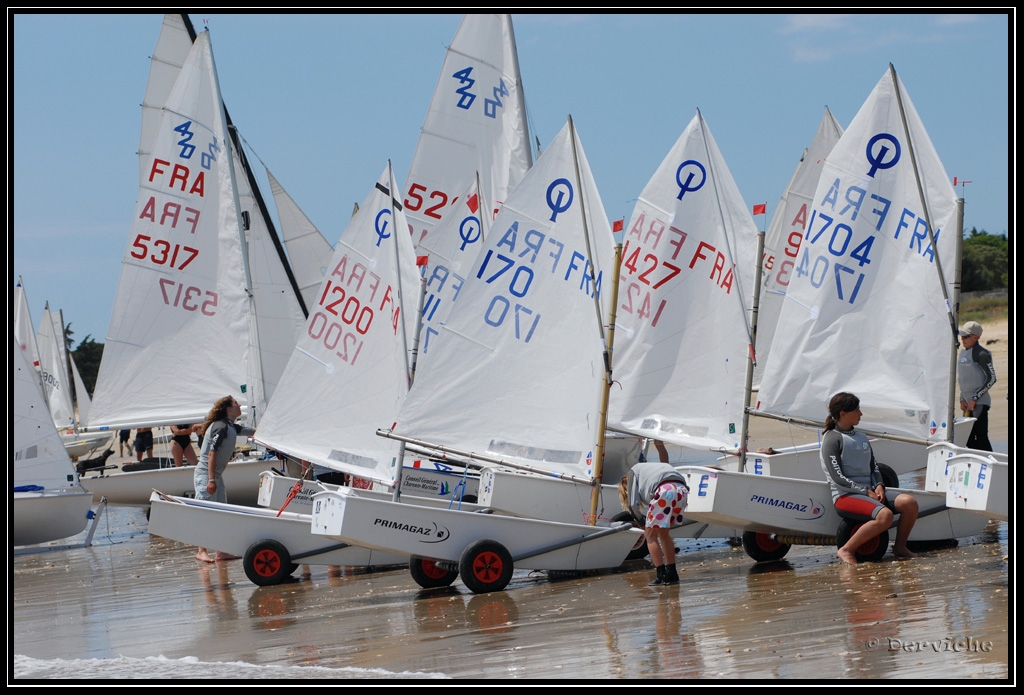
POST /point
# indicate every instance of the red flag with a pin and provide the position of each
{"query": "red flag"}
(761, 209)
(617, 226)
(422, 260)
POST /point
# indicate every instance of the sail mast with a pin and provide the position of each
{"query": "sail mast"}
(606, 342)
(254, 360)
(951, 309)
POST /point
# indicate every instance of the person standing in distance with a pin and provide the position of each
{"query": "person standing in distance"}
(976, 375)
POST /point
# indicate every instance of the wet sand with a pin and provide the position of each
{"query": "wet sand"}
(943, 615)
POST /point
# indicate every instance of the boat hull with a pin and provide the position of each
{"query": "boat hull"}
(771, 504)
(567, 502)
(234, 529)
(804, 461)
(979, 484)
(416, 482)
(443, 534)
(133, 489)
(82, 443)
(942, 455)
(41, 517)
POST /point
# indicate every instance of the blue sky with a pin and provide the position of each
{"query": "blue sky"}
(325, 100)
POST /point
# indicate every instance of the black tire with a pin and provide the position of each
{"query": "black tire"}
(428, 574)
(639, 551)
(485, 566)
(889, 477)
(762, 547)
(871, 551)
(267, 563)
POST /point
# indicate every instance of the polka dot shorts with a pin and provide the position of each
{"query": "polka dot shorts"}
(666, 508)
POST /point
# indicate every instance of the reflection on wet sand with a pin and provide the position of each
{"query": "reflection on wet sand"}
(805, 617)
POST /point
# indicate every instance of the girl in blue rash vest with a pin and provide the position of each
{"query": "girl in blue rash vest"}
(857, 490)
(219, 434)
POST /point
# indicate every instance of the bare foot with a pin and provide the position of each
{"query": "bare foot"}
(203, 556)
(847, 556)
(223, 556)
(902, 552)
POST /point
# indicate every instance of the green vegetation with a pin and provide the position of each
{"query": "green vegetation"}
(985, 263)
(985, 309)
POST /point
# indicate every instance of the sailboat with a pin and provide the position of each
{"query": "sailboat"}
(349, 372)
(47, 504)
(516, 377)
(867, 312)
(475, 126)
(199, 312)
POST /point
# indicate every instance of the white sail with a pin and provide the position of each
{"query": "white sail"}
(786, 231)
(54, 372)
(350, 371)
(308, 250)
(450, 249)
(179, 333)
(683, 321)
(476, 123)
(172, 48)
(39, 455)
(24, 332)
(81, 393)
(864, 310)
(517, 369)
(279, 317)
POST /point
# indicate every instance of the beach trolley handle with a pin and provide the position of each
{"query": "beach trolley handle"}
(618, 528)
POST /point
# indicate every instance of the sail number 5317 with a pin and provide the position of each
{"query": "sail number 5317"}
(178, 295)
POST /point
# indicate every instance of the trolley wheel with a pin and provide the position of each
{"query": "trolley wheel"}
(639, 550)
(485, 566)
(889, 477)
(869, 551)
(267, 563)
(762, 547)
(428, 574)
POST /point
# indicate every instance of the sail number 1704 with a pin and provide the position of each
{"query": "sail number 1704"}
(838, 241)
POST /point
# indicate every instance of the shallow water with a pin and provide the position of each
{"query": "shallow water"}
(136, 606)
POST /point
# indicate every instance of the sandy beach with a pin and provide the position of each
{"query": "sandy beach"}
(138, 606)
(133, 597)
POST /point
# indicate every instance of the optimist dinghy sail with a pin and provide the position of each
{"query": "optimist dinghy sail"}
(476, 124)
(683, 320)
(785, 234)
(866, 310)
(517, 370)
(350, 371)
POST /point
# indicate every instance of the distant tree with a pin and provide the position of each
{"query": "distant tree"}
(67, 337)
(87, 358)
(985, 264)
